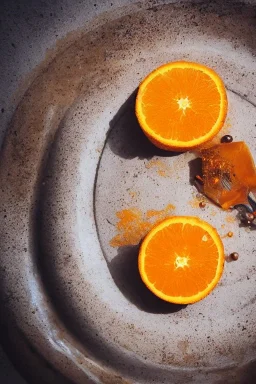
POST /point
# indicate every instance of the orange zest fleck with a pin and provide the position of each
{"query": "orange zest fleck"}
(133, 194)
(162, 168)
(230, 219)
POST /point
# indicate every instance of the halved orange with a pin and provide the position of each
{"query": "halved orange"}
(181, 105)
(181, 260)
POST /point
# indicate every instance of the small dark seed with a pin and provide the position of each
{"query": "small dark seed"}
(226, 139)
(202, 204)
(234, 256)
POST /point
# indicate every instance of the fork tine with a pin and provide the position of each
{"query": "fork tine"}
(226, 183)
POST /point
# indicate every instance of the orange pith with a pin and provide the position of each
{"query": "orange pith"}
(181, 260)
(181, 105)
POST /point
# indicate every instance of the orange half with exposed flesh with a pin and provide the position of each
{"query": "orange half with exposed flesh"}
(181, 260)
(181, 105)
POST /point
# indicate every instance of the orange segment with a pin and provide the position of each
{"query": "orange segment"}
(181, 105)
(181, 260)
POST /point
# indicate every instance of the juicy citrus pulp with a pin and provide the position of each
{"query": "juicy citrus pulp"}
(181, 259)
(181, 105)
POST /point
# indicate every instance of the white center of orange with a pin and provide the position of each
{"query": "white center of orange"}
(181, 261)
(205, 238)
(184, 103)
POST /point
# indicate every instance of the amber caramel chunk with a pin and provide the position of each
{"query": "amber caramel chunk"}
(228, 173)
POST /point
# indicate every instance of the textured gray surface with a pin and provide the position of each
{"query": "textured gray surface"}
(75, 320)
(29, 29)
(8, 374)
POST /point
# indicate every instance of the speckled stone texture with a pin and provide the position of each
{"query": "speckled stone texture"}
(73, 152)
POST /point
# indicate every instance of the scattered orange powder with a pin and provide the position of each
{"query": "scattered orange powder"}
(197, 199)
(194, 202)
(230, 219)
(226, 126)
(133, 224)
(162, 168)
(153, 213)
(162, 173)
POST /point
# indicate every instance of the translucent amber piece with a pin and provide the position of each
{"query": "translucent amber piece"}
(229, 173)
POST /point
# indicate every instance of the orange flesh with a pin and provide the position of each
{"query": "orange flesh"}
(167, 119)
(181, 105)
(234, 163)
(181, 260)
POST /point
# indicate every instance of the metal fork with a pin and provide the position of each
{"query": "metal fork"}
(247, 212)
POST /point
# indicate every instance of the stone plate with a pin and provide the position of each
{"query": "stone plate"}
(73, 305)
